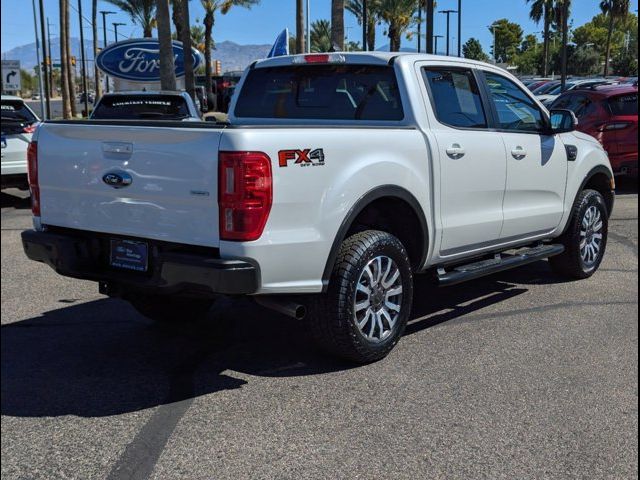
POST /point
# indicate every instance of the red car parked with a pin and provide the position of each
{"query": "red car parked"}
(610, 114)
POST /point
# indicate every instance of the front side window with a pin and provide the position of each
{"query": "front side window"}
(581, 105)
(516, 111)
(456, 97)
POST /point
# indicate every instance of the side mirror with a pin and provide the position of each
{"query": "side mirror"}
(563, 121)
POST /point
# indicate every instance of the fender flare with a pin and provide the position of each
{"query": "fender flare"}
(365, 200)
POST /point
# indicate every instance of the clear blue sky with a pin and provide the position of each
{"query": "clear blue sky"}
(261, 24)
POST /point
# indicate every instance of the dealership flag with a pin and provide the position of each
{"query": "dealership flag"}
(281, 46)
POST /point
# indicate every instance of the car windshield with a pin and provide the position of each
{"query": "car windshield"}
(321, 92)
(16, 110)
(543, 89)
(624, 104)
(141, 107)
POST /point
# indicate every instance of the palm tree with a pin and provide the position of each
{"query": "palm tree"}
(71, 68)
(398, 15)
(321, 36)
(64, 64)
(142, 12)
(542, 10)
(299, 26)
(373, 7)
(167, 65)
(210, 9)
(94, 27)
(616, 9)
(337, 24)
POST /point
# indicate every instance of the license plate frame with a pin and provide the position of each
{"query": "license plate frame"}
(130, 255)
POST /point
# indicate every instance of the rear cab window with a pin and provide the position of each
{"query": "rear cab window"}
(17, 111)
(623, 105)
(321, 92)
(141, 107)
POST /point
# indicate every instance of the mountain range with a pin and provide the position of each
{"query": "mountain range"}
(232, 56)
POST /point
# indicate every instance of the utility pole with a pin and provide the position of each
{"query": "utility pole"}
(115, 28)
(45, 67)
(365, 19)
(430, 15)
(436, 37)
(495, 55)
(104, 14)
(448, 13)
(419, 26)
(308, 26)
(38, 45)
(565, 41)
(83, 60)
(459, 28)
(51, 86)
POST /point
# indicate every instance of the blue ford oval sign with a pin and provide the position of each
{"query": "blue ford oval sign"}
(139, 59)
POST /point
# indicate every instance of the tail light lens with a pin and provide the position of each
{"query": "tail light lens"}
(29, 128)
(32, 173)
(245, 194)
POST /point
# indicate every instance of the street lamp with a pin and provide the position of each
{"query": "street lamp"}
(459, 28)
(493, 30)
(448, 13)
(104, 14)
(436, 37)
(115, 28)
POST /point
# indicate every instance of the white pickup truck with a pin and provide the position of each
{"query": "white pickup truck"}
(337, 179)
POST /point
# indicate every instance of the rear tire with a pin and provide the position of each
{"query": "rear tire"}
(585, 240)
(167, 309)
(365, 311)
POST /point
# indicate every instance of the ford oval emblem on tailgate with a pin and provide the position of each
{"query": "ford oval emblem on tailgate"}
(117, 179)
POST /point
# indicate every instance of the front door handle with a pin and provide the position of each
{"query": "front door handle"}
(518, 153)
(456, 151)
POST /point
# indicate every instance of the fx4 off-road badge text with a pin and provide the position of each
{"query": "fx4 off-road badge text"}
(304, 158)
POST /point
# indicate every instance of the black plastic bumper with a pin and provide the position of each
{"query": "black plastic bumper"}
(169, 272)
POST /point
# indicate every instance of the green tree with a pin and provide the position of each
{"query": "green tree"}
(399, 16)
(530, 42)
(625, 64)
(373, 18)
(543, 10)
(321, 36)
(142, 12)
(472, 49)
(614, 9)
(583, 61)
(508, 37)
(27, 80)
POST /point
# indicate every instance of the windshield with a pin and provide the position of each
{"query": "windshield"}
(543, 89)
(141, 107)
(321, 92)
(624, 104)
(15, 110)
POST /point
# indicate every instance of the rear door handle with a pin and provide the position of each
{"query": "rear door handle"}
(456, 151)
(518, 153)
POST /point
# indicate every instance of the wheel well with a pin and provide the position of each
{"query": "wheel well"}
(600, 182)
(397, 217)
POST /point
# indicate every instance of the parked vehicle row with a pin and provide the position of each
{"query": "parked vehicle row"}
(18, 124)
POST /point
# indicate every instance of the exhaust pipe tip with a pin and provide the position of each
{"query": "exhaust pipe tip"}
(283, 305)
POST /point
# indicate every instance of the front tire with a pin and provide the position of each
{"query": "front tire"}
(585, 240)
(365, 311)
(167, 309)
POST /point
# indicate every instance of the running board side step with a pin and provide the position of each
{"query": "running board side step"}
(499, 263)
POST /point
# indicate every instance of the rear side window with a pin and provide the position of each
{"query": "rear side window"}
(15, 110)
(456, 97)
(581, 105)
(141, 107)
(321, 92)
(624, 104)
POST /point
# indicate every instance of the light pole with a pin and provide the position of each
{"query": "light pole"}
(38, 45)
(448, 13)
(83, 60)
(493, 30)
(459, 28)
(365, 44)
(419, 26)
(308, 26)
(104, 14)
(429, 39)
(115, 28)
(436, 37)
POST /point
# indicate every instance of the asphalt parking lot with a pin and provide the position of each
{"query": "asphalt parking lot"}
(515, 376)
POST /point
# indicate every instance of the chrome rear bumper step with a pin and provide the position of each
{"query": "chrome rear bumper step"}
(471, 271)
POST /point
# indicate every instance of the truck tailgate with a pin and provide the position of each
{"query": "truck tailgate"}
(171, 174)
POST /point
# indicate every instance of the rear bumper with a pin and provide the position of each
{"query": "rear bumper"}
(169, 272)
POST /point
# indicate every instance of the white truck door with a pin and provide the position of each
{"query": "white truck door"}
(472, 161)
(536, 162)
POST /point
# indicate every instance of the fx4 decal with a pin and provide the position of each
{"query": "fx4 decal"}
(304, 158)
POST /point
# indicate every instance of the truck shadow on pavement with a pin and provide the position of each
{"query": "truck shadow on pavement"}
(101, 358)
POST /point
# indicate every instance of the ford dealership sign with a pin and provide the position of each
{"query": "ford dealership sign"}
(139, 59)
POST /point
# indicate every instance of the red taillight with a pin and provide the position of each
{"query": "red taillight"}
(245, 194)
(29, 128)
(320, 58)
(32, 173)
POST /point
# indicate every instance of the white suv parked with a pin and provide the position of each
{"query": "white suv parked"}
(18, 124)
(339, 177)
